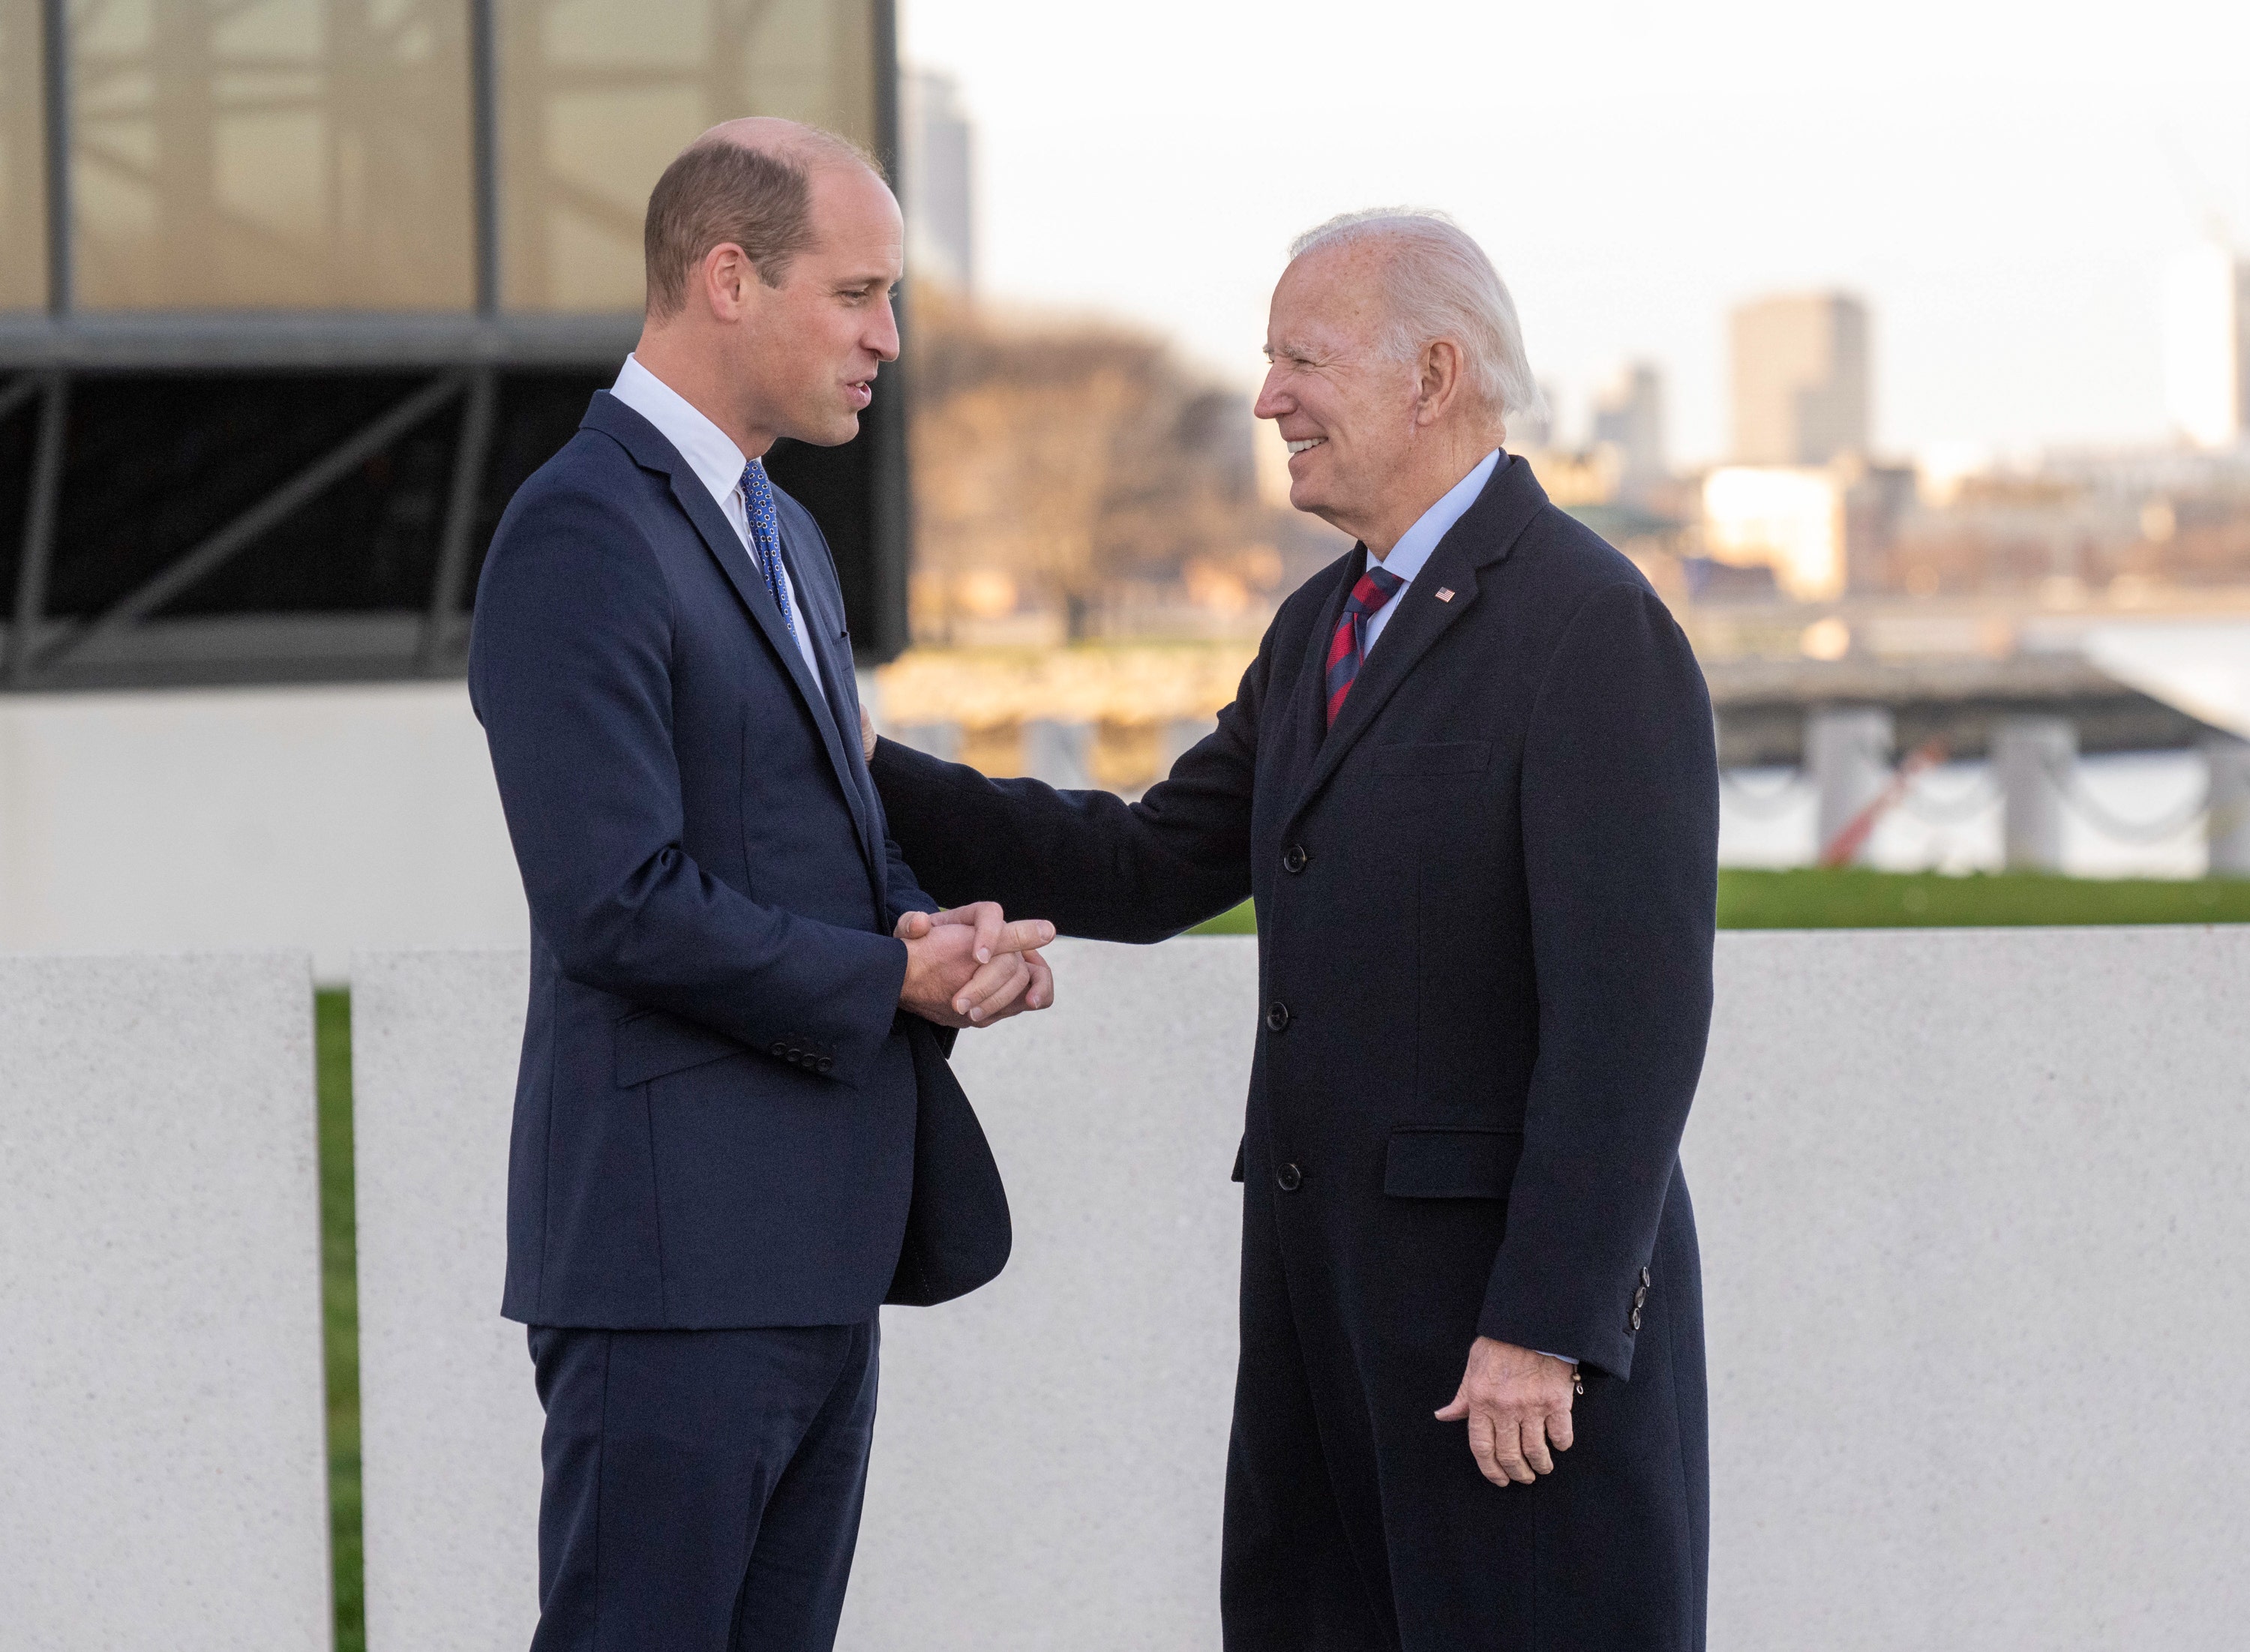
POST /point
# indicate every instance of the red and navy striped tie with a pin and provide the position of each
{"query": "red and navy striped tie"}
(1376, 586)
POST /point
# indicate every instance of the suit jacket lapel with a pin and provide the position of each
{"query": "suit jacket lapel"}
(830, 708)
(1485, 534)
(649, 448)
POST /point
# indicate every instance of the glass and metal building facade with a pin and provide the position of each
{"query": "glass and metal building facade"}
(294, 293)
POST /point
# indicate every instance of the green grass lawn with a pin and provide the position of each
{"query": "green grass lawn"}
(339, 1304)
(1806, 899)
(1815, 899)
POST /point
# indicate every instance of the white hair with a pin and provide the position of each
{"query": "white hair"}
(1439, 284)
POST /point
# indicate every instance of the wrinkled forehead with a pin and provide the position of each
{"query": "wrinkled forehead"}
(1330, 298)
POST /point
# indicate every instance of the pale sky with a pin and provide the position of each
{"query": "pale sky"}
(2002, 181)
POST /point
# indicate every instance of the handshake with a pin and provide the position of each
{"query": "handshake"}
(970, 966)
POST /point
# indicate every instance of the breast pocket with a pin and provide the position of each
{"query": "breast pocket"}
(1445, 757)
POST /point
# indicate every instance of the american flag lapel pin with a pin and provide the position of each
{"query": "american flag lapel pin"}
(1444, 593)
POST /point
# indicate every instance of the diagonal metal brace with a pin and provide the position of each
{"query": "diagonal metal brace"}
(18, 391)
(238, 536)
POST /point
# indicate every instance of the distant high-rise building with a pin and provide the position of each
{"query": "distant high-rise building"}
(936, 151)
(2207, 346)
(1801, 382)
(1532, 430)
(1629, 415)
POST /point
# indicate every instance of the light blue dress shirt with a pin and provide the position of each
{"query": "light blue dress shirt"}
(710, 453)
(1415, 544)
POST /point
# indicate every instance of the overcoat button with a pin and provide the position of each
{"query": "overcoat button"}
(1277, 1016)
(1294, 858)
(1290, 1177)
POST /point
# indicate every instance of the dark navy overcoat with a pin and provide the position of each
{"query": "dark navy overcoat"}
(1485, 905)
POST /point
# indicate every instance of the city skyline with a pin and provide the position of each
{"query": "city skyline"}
(2003, 186)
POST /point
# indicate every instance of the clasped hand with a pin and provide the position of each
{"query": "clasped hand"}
(970, 966)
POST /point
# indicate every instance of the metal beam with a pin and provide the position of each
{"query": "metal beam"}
(460, 516)
(18, 391)
(54, 66)
(238, 536)
(483, 147)
(38, 555)
(323, 341)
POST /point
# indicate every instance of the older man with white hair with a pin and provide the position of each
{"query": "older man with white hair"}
(1470, 782)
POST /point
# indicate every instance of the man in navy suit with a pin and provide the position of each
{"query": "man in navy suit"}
(728, 1062)
(1470, 781)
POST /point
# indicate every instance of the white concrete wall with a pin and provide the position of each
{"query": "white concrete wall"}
(449, 1424)
(1051, 1451)
(1973, 1243)
(323, 819)
(1972, 1255)
(162, 1454)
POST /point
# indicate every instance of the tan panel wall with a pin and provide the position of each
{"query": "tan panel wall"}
(285, 153)
(23, 158)
(597, 96)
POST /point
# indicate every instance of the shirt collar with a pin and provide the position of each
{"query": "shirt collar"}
(1415, 544)
(710, 452)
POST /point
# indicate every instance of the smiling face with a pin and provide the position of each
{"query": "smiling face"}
(808, 350)
(1345, 407)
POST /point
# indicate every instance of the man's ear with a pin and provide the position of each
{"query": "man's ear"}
(728, 276)
(1439, 380)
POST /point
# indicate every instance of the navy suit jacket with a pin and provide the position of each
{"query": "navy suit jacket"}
(716, 1114)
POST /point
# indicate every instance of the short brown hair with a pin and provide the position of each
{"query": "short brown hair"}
(718, 191)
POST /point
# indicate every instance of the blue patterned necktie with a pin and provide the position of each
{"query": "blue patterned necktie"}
(765, 536)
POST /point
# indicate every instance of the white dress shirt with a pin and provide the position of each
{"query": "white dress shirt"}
(1415, 544)
(718, 464)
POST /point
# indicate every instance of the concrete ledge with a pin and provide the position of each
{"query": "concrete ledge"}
(1972, 1250)
(449, 1423)
(161, 1421)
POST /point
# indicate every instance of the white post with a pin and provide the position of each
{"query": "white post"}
(1849, 753)
(2033, 758)
(1178, 737)
(940, 739)
(1061, 752)
(2226, 826)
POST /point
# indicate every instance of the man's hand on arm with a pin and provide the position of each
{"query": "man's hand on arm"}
(1517, 1404)
(970, 967)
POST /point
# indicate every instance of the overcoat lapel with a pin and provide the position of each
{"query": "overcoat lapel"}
(650, 450)
(1485, 534)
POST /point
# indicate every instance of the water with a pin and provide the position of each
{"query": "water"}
(1950, 821)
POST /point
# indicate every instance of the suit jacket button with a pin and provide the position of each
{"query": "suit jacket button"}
(825, 1064)
(1290, 1177)
(1277, 1016)
(1645, 1281)
(1635, 1322)
(1294, 858)
(779, 1049)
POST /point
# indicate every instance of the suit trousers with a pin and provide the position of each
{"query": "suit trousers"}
(702, 1487)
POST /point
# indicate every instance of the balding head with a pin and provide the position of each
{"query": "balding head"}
(1435, 282)
(747, 183)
